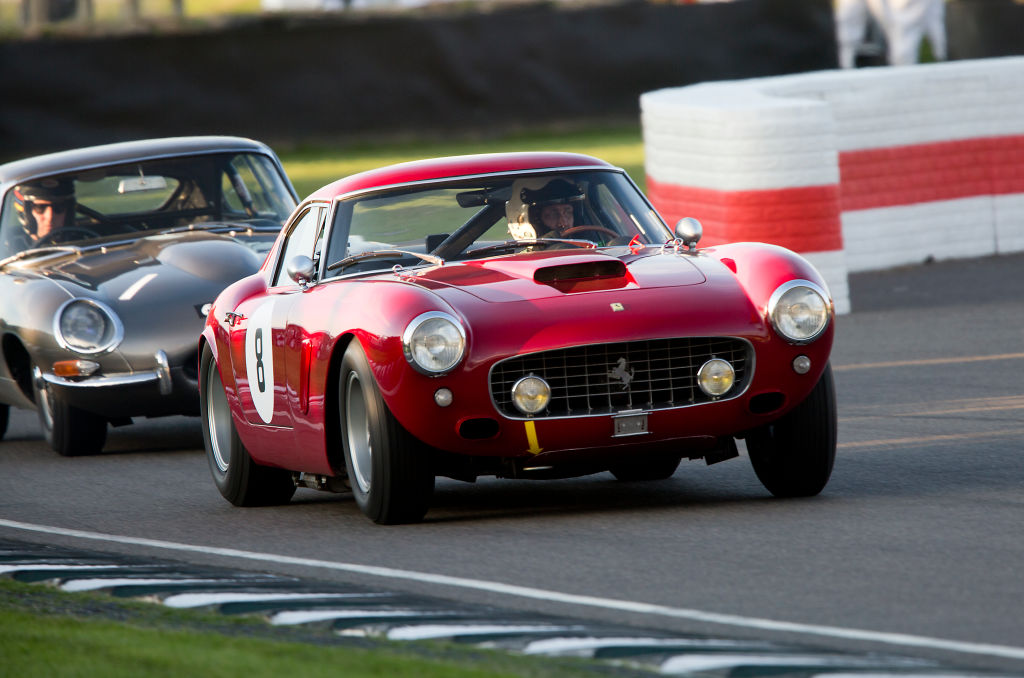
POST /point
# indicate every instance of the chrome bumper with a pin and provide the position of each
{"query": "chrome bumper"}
(161, 375)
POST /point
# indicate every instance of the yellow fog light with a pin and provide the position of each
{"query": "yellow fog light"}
(531, 394)
(716, 377)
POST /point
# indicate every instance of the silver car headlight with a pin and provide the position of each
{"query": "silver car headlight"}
(800, 311)
(87, 326)
(434, 342)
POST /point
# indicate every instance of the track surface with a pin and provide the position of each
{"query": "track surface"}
(914, 548)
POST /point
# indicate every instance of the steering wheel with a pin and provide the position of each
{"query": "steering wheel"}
(587, 227)
(66, 233)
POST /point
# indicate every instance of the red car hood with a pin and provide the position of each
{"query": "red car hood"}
(547, 275)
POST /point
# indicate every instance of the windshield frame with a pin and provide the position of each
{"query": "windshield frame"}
(207, 170)
(654, 230)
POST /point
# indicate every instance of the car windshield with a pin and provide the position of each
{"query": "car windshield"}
(140, 198)
(477, 217)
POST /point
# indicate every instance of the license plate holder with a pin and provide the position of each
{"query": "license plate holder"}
(630, 423)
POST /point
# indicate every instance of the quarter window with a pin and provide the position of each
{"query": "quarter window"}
(301, 240)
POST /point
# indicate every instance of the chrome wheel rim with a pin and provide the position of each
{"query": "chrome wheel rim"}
(218, 419)
(357, 423)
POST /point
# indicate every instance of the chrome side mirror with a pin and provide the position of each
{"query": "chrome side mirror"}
(300, 268)
(688, 231)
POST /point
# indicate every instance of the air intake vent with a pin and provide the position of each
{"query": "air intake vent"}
(590, 270)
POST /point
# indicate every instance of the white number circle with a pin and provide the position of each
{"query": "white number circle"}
(259, 360)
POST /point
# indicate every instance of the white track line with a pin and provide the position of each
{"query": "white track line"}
(898, 639)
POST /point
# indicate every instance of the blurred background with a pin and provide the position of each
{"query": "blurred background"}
(309, 75)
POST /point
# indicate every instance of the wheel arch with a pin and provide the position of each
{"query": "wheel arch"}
(18, 364)
(332, 414)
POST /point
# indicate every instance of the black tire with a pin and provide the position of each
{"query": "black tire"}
(5, 417)
(389, 471)
(649, 468)
(70, 431)
(239, 479)
(793, 457)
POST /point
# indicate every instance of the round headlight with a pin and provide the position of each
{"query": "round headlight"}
(87, 326)
(531, 394)
(434, 342)
(799, 311)
(716, 377)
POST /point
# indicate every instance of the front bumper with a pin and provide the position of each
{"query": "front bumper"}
(162, 391)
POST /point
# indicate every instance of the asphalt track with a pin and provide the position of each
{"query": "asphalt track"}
(914, 548)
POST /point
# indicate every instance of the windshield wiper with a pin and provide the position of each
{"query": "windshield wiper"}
(511, 244)
(383, 254)
(213, 227)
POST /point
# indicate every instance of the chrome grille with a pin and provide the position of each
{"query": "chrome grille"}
(607, 378)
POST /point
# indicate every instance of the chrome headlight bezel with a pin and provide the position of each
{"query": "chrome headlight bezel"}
(110, 336)
(715, 373)
(778, 309)
(412, 342)
(535, 401)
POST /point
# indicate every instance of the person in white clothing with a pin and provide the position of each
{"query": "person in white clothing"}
(910, 22)
(904, 23)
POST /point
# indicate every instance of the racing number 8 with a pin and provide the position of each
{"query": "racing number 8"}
(259, 360)
(261, 379)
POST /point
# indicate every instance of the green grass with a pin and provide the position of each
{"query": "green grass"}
(312, 167)
(47, 633)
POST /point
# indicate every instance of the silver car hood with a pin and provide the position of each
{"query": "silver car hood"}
(159, 286)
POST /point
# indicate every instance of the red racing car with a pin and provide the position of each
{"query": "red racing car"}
(522, 315)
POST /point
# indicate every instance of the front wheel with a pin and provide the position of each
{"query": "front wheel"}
(70, 431)
(239, 479)
(793, 456)
(388, 469)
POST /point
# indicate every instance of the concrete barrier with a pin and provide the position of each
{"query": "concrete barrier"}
(857, 170)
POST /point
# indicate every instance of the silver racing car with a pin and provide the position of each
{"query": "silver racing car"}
(109, 259)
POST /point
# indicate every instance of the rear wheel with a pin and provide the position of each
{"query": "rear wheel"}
(793, 457)
(5, 417)
(650, 468)
(70, 431)
(389, 470)
(239, 479)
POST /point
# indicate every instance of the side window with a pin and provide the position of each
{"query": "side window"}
(301, 240)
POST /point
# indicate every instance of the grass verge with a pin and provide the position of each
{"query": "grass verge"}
(311, 167)
(48, 633)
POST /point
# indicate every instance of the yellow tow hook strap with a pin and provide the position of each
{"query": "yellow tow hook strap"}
(531, 437)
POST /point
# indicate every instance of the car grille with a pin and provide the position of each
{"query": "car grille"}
(589, 380)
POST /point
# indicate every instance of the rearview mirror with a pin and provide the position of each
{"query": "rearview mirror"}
(140, 184)
(689, 231)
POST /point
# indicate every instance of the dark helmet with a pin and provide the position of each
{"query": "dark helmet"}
(56, 191)
(555, 192)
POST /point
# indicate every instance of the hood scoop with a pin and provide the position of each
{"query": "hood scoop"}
(583, 276)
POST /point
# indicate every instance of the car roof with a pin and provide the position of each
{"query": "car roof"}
(127, 151)
(456, 166)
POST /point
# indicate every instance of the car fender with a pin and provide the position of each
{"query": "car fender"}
(760, 269)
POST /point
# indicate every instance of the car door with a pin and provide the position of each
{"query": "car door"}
(272, 349)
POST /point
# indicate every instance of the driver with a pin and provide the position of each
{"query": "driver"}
(552, 208)
(44, 206)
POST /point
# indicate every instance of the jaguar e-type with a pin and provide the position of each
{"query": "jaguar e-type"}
(109, 259)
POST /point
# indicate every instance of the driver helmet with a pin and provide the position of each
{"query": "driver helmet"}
(60, 192)
(555, 192)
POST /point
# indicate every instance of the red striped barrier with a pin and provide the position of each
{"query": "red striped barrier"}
(856, 170)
